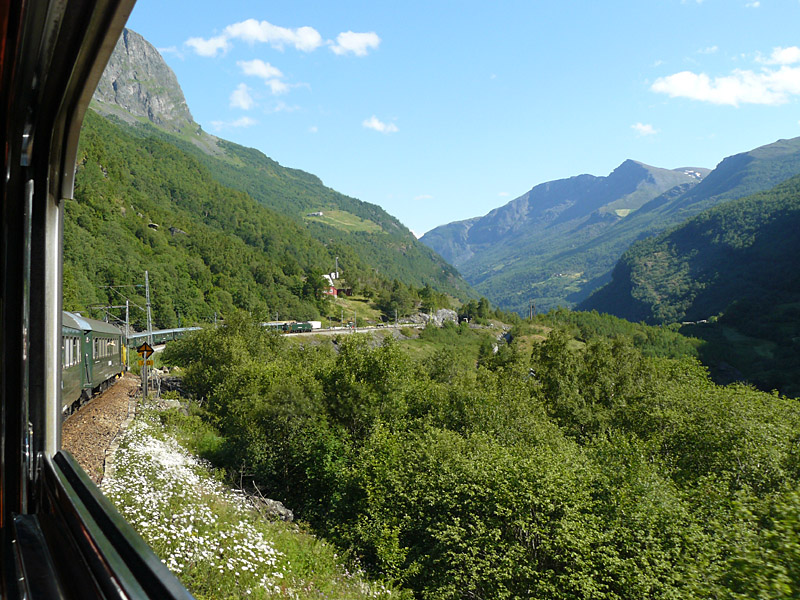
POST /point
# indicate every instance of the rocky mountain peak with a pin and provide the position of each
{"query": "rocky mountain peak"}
(137, 84)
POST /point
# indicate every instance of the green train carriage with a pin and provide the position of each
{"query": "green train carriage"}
(92, 356)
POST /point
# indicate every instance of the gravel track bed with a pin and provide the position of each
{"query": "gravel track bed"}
(90, 432)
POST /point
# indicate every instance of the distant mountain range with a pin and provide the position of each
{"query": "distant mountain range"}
(559, 242)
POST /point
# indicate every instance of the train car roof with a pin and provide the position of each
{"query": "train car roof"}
(68, 320)
(142, 334)
(87, 324)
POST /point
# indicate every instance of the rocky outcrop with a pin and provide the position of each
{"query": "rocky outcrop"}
(438, 318)
(138, 81)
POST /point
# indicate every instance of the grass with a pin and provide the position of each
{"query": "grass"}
(363, 307)
(208, 535)
(345, 221)
(461, 340)
(530, 336)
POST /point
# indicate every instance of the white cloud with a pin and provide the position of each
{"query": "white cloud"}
(313, 129)
(171, 50)
(271, 75)
(241, 98)
(281, 106)
(277, 87)
(258, 68)
(783, 56)
(374, 123)
(755, 4)
(423, 197)
(305, 39)
(357, 43)
(708, 50)
(209, 47)
(242, 122)
(504, 194)
(770, 87)
(644, 129)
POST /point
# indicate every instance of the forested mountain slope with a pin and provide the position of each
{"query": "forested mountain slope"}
(352, 229)
(141, 204)
(140, 93)
(746, 249)
(738, 259)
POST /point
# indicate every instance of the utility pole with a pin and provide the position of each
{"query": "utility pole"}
(147, 304)
(355, 326)
(127, 334)
(145, 374)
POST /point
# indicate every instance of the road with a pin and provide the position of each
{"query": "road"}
(346, 330)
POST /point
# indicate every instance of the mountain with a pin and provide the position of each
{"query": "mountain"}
(562, 263)
(741, 250)
(538, 246)
(138, 85)
(733, 269)
(140, 94)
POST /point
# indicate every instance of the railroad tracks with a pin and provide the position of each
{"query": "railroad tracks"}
(88, 433)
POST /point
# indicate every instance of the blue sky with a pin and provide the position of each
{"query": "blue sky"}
(442, 110)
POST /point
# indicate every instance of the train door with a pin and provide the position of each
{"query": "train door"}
(87, 356)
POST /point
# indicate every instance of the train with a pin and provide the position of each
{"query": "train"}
(289, 326)
(160, 336)
(94, 354)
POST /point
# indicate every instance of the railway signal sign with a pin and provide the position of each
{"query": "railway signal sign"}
(145, 350)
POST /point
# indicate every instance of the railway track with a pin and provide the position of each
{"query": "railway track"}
(90, 432)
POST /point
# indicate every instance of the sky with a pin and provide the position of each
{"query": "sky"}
(440, 111)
